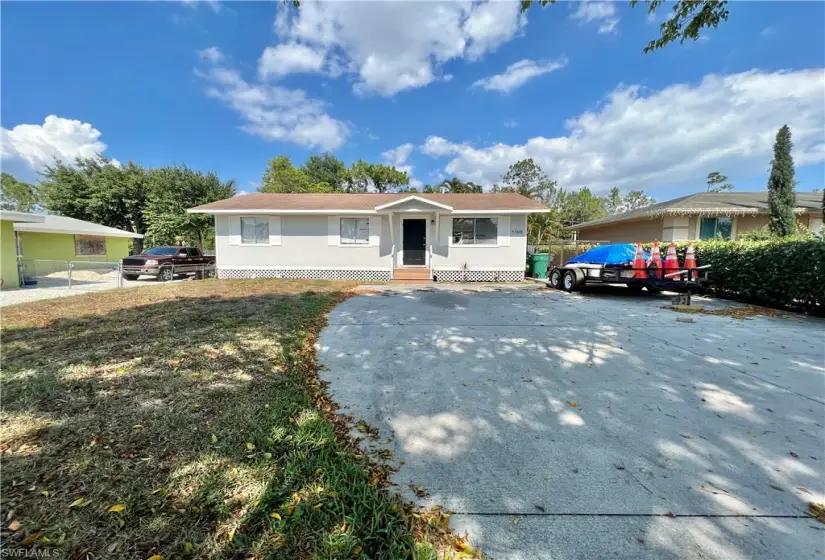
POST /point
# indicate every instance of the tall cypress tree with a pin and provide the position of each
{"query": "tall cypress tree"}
(781, 186)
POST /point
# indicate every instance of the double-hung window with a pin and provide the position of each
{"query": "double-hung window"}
(255, 231)
(715, 228)
(355, 231)
(475, 231)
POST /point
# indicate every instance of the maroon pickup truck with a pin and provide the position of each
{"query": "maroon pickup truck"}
(167, 262)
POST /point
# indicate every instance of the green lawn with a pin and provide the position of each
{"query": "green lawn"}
(194, 409)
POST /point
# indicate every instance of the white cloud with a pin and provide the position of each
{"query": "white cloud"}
(675, 136)
(289, 58)
(273, 112)
(393, 46)
(214, 4)
(518, 74)
(510, 123)
(602, 13)
(28, 148)
(211, 54)
(768, 31)
(397, 157)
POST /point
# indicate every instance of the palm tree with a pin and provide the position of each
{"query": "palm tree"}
(456, 185)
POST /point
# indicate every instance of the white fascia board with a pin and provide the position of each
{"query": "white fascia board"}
(504, 211)
(29, 228)
(277, 212)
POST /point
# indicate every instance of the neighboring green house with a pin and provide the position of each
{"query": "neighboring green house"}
(9, 277)
(57, 238)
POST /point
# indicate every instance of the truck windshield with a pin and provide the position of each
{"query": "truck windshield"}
(161, 251)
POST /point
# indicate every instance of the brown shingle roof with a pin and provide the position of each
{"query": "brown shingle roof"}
(368, 201)
(729, 203)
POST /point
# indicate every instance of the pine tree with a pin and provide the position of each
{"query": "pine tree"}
(781, 186)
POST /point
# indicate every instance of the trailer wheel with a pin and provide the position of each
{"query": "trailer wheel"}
(554, 280)
(569, 281)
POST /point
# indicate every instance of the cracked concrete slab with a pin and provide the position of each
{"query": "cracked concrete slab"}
(507, 403)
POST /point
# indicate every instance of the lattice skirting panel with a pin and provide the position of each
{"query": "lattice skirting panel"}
(310, 273)
(478, 275)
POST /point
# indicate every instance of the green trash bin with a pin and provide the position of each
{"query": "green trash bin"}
(538, 265)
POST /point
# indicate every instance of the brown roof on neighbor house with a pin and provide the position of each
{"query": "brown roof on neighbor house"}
(729, 203)
(368, 201)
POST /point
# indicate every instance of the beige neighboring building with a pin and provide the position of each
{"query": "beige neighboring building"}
(698, 216)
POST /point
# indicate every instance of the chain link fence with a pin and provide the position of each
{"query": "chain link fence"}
(97, 275)
(45, 273)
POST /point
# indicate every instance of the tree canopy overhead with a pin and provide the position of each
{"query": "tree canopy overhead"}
(133, 198)
(688, 18)
(17, 196)
(327, 173)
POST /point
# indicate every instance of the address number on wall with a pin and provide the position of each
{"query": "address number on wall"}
(516, 232)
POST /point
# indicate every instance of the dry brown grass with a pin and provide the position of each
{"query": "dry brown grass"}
(196, 410)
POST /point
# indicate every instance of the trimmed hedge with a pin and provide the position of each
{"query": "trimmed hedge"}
(779, 273)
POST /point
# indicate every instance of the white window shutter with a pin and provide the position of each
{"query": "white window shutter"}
(448, 229)
(504, 231)
(333, 230)
(274, 230)
(234, 230)
(375, 231)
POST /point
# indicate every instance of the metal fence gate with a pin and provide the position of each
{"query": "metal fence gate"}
(81, 275)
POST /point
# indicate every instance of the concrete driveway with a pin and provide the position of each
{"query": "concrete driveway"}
(597, 426)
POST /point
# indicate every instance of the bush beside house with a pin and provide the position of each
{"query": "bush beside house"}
(788, 272)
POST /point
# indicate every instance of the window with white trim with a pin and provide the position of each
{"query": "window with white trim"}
(355, 231)
(715, 228)
(89, 246)
(475, 231)
(254, 231)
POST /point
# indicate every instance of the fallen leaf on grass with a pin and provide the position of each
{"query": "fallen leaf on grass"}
(116, 508)
(80, 503)
(250, 446)
(28, 541)
(156, 557)
(187, 547)
(45, 493)
(275, 516)
(356, 550)
(137, 426)
(214, 438)
(15, 525)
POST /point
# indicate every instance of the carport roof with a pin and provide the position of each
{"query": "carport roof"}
(72, 226)
(368, 203)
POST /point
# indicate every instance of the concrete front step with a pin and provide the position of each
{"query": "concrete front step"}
(411, 274)
(412, 281)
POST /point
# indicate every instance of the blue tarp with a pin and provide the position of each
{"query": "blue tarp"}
(623, 253)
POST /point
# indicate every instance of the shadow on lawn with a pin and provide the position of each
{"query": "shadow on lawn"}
(544, 404)
(195, 415)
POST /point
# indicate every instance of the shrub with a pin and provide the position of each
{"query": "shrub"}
(785, 272)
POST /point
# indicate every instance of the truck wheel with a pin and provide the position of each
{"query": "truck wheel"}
(569, 281)
(554, 280)
(130, 276)
(165, 274)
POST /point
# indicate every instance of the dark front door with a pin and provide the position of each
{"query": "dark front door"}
(415, 241)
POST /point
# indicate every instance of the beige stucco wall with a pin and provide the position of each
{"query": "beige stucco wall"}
(625, 232)
(304, 244)
(676, 228)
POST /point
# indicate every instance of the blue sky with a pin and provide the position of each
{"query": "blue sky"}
(439, 90)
